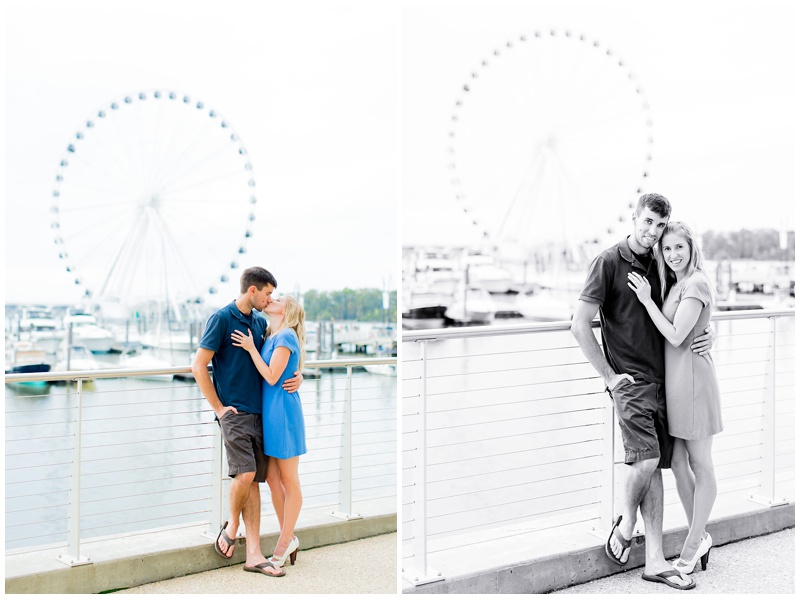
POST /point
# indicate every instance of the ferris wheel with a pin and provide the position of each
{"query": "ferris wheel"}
(154, 199)
(550, 142)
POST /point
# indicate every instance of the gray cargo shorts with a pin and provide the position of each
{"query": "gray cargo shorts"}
(244, 444)
(642, 415)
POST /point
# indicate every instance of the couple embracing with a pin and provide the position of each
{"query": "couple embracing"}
(257, 364)
(655, 303)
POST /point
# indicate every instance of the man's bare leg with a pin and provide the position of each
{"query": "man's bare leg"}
(637, 483)
(237, 498)
(251, 513)
(653, 515)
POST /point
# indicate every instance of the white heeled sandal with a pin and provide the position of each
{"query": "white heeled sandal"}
(291, 553)
(702, 553)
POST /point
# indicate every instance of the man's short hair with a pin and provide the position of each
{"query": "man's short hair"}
(257, 276)
(655, 202)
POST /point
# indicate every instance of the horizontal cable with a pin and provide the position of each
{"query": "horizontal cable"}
(29, 523)
(141, 455)
(498, 370)
(148, 428)
(36, 480)
(38, 410)
(149, 480)
(525, 434)
(85, 528)
(495, 455)
(515, 419)
(159, 415)
(49, 534)
(29, 467)
(512, 386)
(144, 468)
(512, 403)
(148, 441)
(142, 403)
(44, 507)
(583, 457)
(148, 507)
(506, 486)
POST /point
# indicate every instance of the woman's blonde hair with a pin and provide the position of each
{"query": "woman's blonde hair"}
(696, 259)
(294, 317)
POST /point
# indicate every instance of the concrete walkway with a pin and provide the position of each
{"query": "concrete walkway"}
(754, 566)
(359, 567)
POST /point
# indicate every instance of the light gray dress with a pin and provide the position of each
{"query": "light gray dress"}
(693, 403)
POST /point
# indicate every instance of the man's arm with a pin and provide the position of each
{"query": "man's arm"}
(293, 384)
(703, 343)
(582, 331)
(200, 372)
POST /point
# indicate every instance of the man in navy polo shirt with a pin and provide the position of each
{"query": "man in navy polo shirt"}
(235, 396)
(631, 363)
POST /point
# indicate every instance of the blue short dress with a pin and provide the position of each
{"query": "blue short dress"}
(282, 412)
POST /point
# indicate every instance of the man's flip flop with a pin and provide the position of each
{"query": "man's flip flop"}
(663, 577)
(626, 545)
(225, 538)
(262, 569)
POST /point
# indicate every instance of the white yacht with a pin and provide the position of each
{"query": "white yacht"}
(473, 306)
(80, 358)
(41, 329)
(146, 361)
(484, 272)
(87, 333)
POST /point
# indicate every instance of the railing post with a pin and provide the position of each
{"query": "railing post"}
(766, 494)
(419, 574)
(607, 473)
(216, 483)
(73, 556)
(345, 511)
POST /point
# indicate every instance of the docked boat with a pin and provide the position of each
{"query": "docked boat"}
(87, 333)
(171, 340)
(25, 357)
(146, 361)
(80, 358)
(473, 306)
(484, 272)
(41, 329)
(543, 307)
(424, 310)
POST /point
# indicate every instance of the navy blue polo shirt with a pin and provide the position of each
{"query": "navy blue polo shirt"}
(236, 379)
(631, 342)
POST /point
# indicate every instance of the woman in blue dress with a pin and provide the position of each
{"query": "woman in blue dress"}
(282, 414)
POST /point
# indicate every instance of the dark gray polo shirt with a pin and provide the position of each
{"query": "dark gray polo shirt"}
(236, 379)
(631, 342)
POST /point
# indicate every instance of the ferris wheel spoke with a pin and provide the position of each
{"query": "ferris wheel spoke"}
(168, 173)
(104, 207)
(99, 171)
(105, 192)
(521, 196)
(133, 233)
(195, 225)
(162, 161)
(198, 166)
(203, 182)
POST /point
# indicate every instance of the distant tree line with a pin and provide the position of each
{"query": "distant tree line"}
(746, 244)
(365, 305)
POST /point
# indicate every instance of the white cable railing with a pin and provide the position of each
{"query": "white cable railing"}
(508, 430)
(110, 453)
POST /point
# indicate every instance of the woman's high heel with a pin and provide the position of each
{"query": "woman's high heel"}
(701, 555)
(291, 552)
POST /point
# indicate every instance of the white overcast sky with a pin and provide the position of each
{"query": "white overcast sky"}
(311, 88)
(720, 78)
(344, 108)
